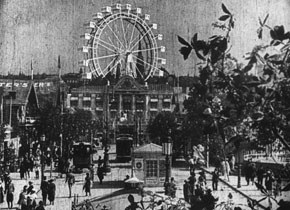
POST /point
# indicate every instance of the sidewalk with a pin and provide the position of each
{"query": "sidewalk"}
(248, 191)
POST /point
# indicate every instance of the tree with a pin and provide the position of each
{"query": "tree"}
(159, 127)
(240, 103)
(76, 125)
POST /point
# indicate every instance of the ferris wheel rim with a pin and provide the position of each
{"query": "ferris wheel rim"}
(139, 25)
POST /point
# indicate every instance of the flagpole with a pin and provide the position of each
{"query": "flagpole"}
(31, 71)
(59, 67)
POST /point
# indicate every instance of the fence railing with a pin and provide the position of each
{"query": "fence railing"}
(275, 157)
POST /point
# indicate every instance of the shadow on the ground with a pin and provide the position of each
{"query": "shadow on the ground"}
(72, 197)
(111, 195)
(108, 184)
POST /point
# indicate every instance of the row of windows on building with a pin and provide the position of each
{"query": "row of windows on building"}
(154, 103)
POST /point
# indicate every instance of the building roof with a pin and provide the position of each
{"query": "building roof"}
(22, 93)
(148, 148)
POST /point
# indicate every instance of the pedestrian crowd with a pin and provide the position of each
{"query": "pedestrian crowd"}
(27, 197)
(30, 198)
(197, 193)
(267, 178)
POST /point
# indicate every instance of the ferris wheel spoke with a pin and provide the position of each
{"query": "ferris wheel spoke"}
(124, 32)
(111, 42)
(127, 29)
(105, 47)
(144, 50)
(139, 72)
(115, 65)
(139, 40)
(106, 43)
(132, 34)
(115, 35)
(105, 56)
(145, 62)
(105, 69)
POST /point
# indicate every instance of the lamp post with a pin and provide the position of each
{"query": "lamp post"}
(107, 168)
(42, 140)
(239, 167)
(167, 150)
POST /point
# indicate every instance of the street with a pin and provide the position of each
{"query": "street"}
(107, 193)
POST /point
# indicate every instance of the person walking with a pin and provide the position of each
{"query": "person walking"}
(269, 182)
(37, 167)
(192, 183)
(253, 173)
(6, 181)
(201, 183)
(260, 175)
(30, 187)
(215, 179)
(22, 201)
(278, 186)
(172, 188)
(51, 191)
(87, 185)
(31, 200)
(232, 162)
(10, 194)
(22, 169)
(70, 180)
(1, 192)
(92, 170)
(186, 191)
(100, 173)
(100, 162)
(44, 189)
(225, 166)
(248, 173)
(31, 163)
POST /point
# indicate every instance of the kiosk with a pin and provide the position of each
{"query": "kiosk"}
(149, 164)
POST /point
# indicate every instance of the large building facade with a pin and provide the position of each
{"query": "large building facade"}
(128, 105)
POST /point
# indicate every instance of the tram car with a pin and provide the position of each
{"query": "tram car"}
(124, 143)
(82, 155)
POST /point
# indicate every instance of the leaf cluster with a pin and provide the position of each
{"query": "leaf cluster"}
(212, 49)
(255, 107)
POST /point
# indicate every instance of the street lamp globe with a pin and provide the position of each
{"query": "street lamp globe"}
(42, 138)
(167, 148)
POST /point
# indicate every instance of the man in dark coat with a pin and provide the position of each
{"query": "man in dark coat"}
(44, 189)
(186, 191)
(215, 179)
(100, 174)
(51, 191)
(10, 194)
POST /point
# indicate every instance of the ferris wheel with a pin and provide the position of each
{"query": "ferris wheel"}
(121, 41)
